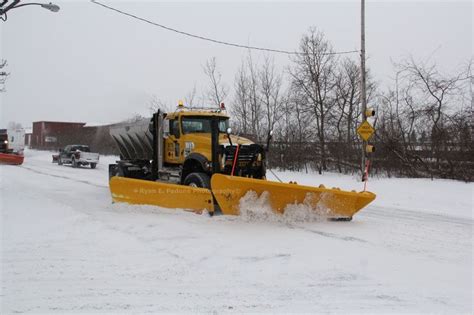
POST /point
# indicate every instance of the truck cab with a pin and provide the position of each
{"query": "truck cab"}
(190, 132)
(188, 144)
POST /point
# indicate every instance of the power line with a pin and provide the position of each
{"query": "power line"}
(287, 52)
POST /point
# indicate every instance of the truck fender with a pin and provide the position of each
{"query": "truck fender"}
(194, 162)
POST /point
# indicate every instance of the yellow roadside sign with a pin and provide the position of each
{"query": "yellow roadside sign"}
(365, 130)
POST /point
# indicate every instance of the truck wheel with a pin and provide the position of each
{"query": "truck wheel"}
(201, 180)
(93, 165)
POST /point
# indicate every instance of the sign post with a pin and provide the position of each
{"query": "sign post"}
(363, 96)
(366, 131)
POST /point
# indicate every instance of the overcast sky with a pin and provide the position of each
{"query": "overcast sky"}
(88, 64)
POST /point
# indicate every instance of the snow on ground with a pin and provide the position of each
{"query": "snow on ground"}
(66, 248)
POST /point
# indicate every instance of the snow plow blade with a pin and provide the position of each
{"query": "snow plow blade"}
(12, 159)
(144, 192)
(332, 203)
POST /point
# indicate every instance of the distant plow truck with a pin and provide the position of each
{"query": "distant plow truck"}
(190, 159)
(12, 144)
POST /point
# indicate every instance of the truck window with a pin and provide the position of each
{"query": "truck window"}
(82, 148)
(174, 126)
(202, 125)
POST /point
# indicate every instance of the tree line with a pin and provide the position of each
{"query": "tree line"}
(423, 116)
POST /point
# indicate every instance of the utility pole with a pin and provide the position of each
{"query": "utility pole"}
(363, 96)
(471, 90)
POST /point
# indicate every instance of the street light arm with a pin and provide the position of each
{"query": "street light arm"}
(49, 6)
(15, 4)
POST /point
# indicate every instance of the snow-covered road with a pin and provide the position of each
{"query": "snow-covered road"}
(66, 248)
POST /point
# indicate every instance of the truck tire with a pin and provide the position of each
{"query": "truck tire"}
(200, 180)
(93, 165)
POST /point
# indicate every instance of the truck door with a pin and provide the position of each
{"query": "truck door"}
(64, 154)
(172, 143)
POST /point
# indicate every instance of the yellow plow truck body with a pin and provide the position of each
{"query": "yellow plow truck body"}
(228, 191)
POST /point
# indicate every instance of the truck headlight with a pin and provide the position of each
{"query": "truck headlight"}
(188, 147)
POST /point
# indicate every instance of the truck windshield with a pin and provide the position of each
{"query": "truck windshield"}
(202, 125)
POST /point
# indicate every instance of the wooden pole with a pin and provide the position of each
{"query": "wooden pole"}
(363, 96)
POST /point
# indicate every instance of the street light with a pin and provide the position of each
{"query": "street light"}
(49, 6)
(5, 7)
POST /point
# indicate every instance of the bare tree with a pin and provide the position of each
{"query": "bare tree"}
(425, 122)
(189, 99)
(314, 74)
(346, 111)
(240, 108)
(439, 93)
(248, 99)
(398, 117)
(155, 104)
(255, 105)
(217, 90)
(270, 91)
(298, 132)
(3, 75)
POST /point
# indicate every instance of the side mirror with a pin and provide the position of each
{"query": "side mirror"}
(173, 128)
(228, 132)
(166, 126)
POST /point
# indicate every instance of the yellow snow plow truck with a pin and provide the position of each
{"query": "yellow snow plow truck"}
(189, 159)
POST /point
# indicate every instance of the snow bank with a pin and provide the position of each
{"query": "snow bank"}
(254, 208)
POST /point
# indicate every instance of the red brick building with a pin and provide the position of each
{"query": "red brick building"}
(52, 135)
